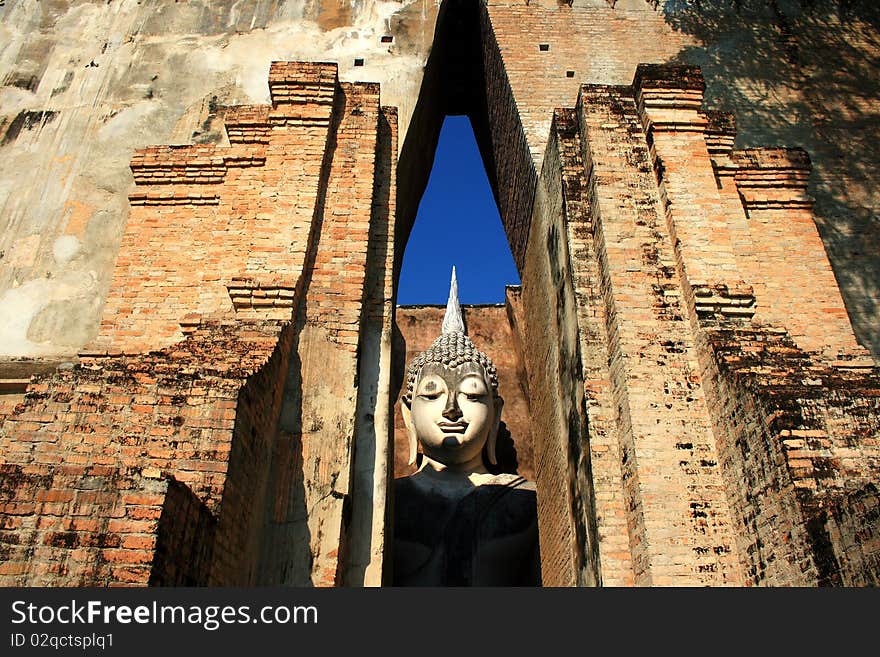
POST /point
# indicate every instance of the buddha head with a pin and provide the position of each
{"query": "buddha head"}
(451, 406)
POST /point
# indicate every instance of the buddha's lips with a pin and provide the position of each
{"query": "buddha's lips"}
(452, 427)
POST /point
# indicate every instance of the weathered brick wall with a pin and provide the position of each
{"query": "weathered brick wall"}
(110, 432)
(798, 443)
(775, 241)
(611, 552)
(598, 44)
(666, 447)
(772, 102)
(515, 170)
(9, 401)
(853, 528)
(797, 286)
(767, 386)
(669, 102)
(796, 74)
(84, 84)
(239, 423)
(240, 532)
(374, 454)
(646, 249)
(320, 405)
(550, 351)
(214, 228)
(687, 396)
(534, 58)
(77, 525)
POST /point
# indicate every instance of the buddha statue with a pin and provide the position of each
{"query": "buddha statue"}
(456, 523)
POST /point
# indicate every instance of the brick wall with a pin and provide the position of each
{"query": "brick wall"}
(599, 45)
(221, 228)
(666, 448)
(231, 424)
(184, 541)
(563, 157)
(786, 258)
(111, 432)
(550, 348)
(76, 525)
(515, 170)
(798, 443)
(373, 463)
(316, 445)
(688, 392)
(765, 383)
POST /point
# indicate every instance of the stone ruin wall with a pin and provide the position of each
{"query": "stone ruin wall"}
(220, 410)
(669, 357)
(692, 387)
(97, 460)
(84, 84)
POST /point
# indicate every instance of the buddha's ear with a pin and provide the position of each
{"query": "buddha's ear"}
(406, 411)
(493, 432)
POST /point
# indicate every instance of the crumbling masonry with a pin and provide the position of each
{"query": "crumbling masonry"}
(699, 409)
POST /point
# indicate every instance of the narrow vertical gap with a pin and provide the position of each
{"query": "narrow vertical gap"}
(457, 224)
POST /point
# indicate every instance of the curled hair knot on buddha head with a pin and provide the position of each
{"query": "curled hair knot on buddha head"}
(450, 350)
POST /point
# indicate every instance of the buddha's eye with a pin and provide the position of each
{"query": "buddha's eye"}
(429, 389)
(473, 388)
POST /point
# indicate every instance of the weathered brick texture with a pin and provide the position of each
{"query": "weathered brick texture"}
(798, 443)
(201, 413)
(721, 449)
(550, 347)
(666, 449)
(780, 249)
(216, 229)
(699, 410)
(596, 44)
(185, 539)
(244, 269)
(309, 523)
(77, 525)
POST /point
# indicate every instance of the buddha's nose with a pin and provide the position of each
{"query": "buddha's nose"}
(452, 411)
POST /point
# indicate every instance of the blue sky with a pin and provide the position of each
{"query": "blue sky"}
(457, 224)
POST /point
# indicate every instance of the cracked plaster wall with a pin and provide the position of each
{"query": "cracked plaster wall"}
(86, 83)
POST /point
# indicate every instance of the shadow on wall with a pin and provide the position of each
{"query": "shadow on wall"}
(804, 73)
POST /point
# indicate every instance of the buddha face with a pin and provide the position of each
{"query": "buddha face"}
(453, 414)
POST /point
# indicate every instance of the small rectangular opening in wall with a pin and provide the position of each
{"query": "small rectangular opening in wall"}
(387, 38)
(359, 62)
(569, 74)
(13, 386)
(543, 47)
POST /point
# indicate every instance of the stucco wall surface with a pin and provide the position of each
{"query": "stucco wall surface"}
(84, 84)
